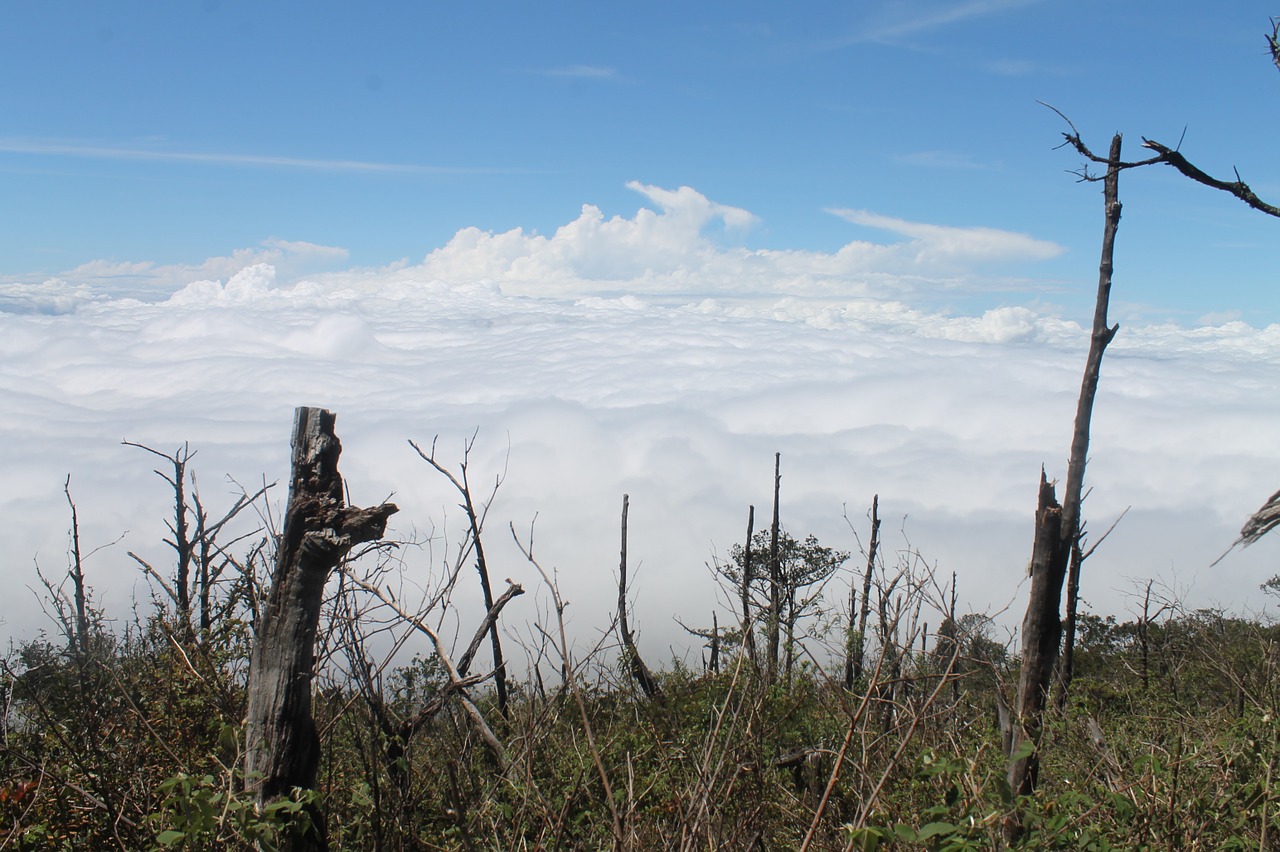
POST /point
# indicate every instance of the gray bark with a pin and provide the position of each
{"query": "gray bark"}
(1058, 529)
(635, 663)
(282, 749)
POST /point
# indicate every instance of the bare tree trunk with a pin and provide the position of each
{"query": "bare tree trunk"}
(282, 748)
(859, 639)
(1144, 638)
(748, 630)
(790, 623)
(80, 640)
(1073, 492)
(775, 574)
(182, 543)
(639, 670)
(1067, 665)
(715, 643)
(1058, 529)
(955, 652)
(475, 519)
(1041, 634)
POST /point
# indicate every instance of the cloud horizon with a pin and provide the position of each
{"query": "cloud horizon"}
(651, 355)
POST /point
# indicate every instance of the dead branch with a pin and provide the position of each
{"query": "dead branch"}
(475, 519)
(1237, 187)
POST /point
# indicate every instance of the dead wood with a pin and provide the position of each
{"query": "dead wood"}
(282, 746)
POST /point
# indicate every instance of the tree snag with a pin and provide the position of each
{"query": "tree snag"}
(282, 748)
(1041, 634)
(774, 621)
(475, 520)
(1058, 527)
(635, 664)
(748, 627)
(856, 651)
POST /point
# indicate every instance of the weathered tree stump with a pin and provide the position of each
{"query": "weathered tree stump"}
(282, 749)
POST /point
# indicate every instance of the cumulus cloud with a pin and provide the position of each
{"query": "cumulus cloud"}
(672, 250)
(148, 281)
(639, 355)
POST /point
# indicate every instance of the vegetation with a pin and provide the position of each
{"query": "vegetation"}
(134, 738)
(1164, 731)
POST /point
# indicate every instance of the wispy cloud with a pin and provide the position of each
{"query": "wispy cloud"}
(590, 72)
(1023, 68)
(899, 19)
(943, 160)
(975, 244)
(105, 152)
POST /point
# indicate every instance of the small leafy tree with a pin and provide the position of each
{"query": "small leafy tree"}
(804, 566)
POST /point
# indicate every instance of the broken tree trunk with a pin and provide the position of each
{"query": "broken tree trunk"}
(1073, 492)
(858, 638)
(639, 670)
(748, 627)
(775, 576)
(1041, 633)
(1058, 531)
(282, 748)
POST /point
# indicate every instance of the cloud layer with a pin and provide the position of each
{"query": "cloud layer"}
(649, 355)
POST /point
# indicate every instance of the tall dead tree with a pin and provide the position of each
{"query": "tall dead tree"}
(80, 640)
(282, 747)
(774, 621)
(635, 664)
(1041, 635)
(748, 628)
(200, 559)
(1257, 523)
(476, 516)
(1057, 530)
(856, 651)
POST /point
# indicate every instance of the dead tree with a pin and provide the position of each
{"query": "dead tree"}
(475, 521)
(1058, 526)
(1041, 635)
(80, 641)
(1266, 517)
(1066, 663)
(856, 650)
(774, 621)
(1057, 530)
(194, 539)
(282, 747)
(179, 527)
(634, 663)
(748, 628)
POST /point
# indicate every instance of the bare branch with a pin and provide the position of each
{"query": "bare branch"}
(1238, 188)
(1273, 42)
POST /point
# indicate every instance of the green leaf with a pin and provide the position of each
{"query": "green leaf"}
(906, 833)
(934, 829)
(170, 837)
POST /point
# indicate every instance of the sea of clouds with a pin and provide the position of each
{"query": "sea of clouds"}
(650, 355)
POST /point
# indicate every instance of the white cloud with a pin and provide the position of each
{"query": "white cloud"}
(107, 152)
(898, 19)
(932, 242)
(613, 381)
(590, 72)
(147, 281)
(943, 160)
(671, 251)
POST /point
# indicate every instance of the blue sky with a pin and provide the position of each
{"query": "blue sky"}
(642, 249)
(171, 133)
